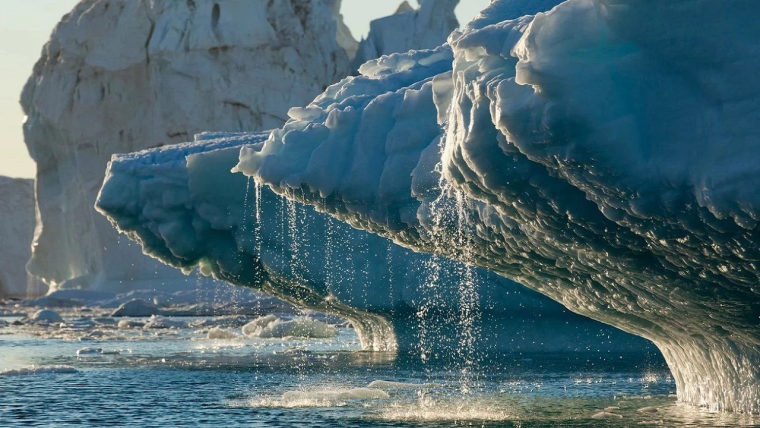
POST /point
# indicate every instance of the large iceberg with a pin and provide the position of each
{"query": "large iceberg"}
(16, 233)
(600, 153)
(186, 209)
(121, 76)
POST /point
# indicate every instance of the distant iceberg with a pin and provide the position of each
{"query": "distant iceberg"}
(16, 233)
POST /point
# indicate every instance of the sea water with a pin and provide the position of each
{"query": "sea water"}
(91, 373)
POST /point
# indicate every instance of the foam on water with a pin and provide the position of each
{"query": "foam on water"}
(387, 384)
(427, 410)
(327, 397)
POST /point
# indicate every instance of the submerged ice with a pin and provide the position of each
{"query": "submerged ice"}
(599, 153)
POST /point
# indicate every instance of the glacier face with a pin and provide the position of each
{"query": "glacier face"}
(16, 233)
(598, 153)
(121, 76)
(186, 209)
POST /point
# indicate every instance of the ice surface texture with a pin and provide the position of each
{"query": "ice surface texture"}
(602, 153)
(187, 209)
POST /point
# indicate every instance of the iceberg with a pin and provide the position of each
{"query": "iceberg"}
(185, 208)
(121, 76)
(599, 153)
(16, 234)
(409, 29)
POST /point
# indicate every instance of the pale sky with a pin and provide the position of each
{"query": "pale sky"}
(25, 27)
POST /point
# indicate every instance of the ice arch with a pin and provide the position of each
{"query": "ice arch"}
(601, 153)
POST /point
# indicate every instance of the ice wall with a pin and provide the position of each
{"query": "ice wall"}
(601, 154)
(119, 76)
(186, 209)
(409, 28)
(16, 233)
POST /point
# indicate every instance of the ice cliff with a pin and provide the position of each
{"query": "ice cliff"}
(601, 153)
(16, 232)
(121, 76)
(185, 208)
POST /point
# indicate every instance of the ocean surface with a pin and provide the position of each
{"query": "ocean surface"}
(178, 377)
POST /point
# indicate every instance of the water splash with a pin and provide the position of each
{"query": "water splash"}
(448, 219)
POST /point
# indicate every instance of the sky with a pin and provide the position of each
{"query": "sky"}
(25, 27)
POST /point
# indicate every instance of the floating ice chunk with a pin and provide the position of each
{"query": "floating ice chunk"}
(159, 322)
(46, 316)
(81, 323)
(299, 327)
(254, 327)
(220, 333)
(38, 370)
(126, 324)
(136, 308)
(89, 352)
(272, 327)
(225, 322)
(606, 415)
(95, 335)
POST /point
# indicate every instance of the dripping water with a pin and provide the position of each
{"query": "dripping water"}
(448, 217)
(329, 249)
(257, 234)
(469, 299)
(296, 264)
